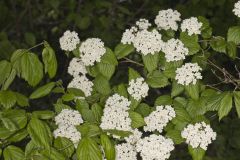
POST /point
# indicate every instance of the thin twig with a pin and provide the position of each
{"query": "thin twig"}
(37, 45)
(131, 61)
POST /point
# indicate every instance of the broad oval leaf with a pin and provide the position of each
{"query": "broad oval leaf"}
(88, 149)
(108, 147)
(13, 153)
(42, 91)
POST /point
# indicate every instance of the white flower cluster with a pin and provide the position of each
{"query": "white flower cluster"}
(148, 42)
(143, 24)
(82, 83)
(167, 19)
(129, 35)
(66, 120)
(69, 41)
(76, 67)
(236, 9)
(91, 51)
(143, 40)
(69, 132)
(191, 25)
(155, 147)
(174, 50)
(138, 88)
(159, 118)
(115, 114)
(188, 73)
(134, 137)
(125, 151)
(68, 117)
(199, 135)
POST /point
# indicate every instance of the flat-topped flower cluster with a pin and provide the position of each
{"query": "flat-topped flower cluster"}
(147, 40)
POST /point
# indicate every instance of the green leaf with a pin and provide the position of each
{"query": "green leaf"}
(225, 105)
(108, 147)
(191, 42)
(119, 133)
(196, 153)
(31, 68)
(68, 97)
(7, 99)
(53, 154)
(218, 44)
(232, 50)
(76, 92)
(234, 34)
(15, 117)
(109, 58)
(175, 135)
(157, 80)
(197, 107)
(181, 112)
(64, 145)
(88, 150)
(16, 60)
(22, 100)
(42, 91)
(10, 79)
(13, 153)
(122, 50)
(89, 130)
(237, 101)
(193, 90)
(213, 101)
(132, 74)
(163, 100)
(97, 111)
(108, 63)
(101, 84)
(49, 60)
(151, 61)
(137, 119)
(176, 89)
(43, 114)
(143, 109)
(18, 136)
(107, 70)
(4, 71)
(121, 90)
(40, 133)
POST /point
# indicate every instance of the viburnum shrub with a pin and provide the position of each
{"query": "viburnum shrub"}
(140, 100)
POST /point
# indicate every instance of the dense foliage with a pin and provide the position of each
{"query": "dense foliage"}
(146, 89)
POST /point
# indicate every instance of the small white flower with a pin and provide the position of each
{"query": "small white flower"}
(115, 114)
(91, 51)
(76, 67)
(199, 135)
(189, 73)
(191, 26)
(174, 50)
(148, 42)
(129, 35)
(236, 9)
(125, 151)
(159, 118)
(68, 117)
(82, 83)
(134, 138)
(143, 24)
(138, 88)
(68, 131)
(155, 147)
(167, 19)
(69, 41)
